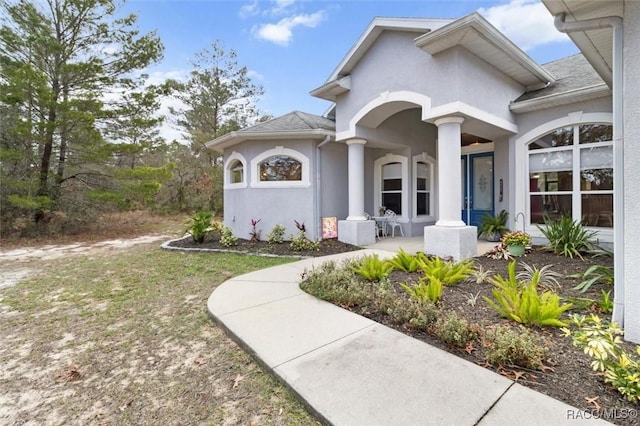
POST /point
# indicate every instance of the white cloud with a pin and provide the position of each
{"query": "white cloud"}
(526, 22)
(249, 9)
(281, 6)
(281, 32)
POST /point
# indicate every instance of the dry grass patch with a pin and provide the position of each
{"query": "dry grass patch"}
(124, 338)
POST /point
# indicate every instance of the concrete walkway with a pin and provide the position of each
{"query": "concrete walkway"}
(349, 370)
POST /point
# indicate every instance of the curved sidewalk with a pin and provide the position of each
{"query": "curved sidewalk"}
(349, 370)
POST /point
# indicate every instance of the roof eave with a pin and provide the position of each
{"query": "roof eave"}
(234, 138)
(430, 43)
(565, 98)
(331, 90)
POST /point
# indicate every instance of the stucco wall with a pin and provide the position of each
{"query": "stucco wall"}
(631, 170)
(334, 180)
(531, 120)
(394, 63)
(271, 205)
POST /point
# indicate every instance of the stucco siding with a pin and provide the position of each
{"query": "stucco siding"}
(631, 170)
(394, 63)
(531, 120)
(334, 181)
(271, 205)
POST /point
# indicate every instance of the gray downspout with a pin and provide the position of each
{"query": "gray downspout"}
(326, 140)
(615, 22)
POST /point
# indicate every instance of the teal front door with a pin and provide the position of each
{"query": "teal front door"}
(477, 187)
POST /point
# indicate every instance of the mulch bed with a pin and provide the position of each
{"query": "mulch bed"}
(327, 247)
(567, 375)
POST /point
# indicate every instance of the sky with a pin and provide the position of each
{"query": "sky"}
(290, 47)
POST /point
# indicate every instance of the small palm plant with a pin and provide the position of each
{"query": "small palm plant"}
(199, 226)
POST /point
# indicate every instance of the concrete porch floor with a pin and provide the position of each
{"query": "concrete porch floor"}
(416, 244)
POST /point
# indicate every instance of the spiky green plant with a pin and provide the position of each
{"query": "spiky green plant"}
(371, 268)
(520, 301)
(594, 274)
(199, 226)
(567, 237)
(449, 273)
(426, 289)
(404, 261)
(547, 278)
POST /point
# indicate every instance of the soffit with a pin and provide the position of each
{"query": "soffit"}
(478, 36)
(596, 45)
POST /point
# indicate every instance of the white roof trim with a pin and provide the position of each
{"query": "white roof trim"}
(234, 138)
(503, 53)
(565, 98)
(332, 89)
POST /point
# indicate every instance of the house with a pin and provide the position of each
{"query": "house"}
(445, 120)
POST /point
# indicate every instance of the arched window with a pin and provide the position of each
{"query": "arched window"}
(391, 182)
(280, 168)
(571, 174)
(234, 171)
(423, 196)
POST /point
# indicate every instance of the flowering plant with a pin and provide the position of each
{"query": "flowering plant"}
(516, 238)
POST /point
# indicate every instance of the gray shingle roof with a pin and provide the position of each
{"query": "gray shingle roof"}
(571, 73)
(295, 121)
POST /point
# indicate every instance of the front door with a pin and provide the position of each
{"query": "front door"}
(477, 187)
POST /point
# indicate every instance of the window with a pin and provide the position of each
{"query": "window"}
(571, 173)
(234, 171)
(280, 168)
(423, 172)
(391, 184)
(392, 187)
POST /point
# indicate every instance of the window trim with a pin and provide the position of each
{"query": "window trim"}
(280, 151)
(377, 177)
(424, 158)
(235, 156)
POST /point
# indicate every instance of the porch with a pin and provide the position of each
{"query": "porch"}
(416, 244)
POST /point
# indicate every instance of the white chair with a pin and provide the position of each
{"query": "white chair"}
(392, 221)
(377, 227)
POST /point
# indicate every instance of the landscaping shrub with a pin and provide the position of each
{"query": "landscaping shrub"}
(454, 330)
(506, 346)
(337, 283)
(276, 235)
(199, 226)
(227, 238)
(520, 301)
(567, 237)
(602, 340)
(300, 242)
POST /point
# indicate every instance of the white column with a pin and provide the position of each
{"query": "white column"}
(449, 172)
(356, 179)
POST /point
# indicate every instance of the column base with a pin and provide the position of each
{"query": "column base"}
(458, 243)
(357, 232)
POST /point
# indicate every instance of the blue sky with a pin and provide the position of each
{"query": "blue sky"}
(292, 46)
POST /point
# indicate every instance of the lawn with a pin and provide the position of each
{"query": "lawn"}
(123, 337)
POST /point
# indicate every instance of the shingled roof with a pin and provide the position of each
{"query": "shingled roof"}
(572, 73)
(295, 124)
(293, 121)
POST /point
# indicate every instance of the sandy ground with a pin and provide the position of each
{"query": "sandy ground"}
(17, 265)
